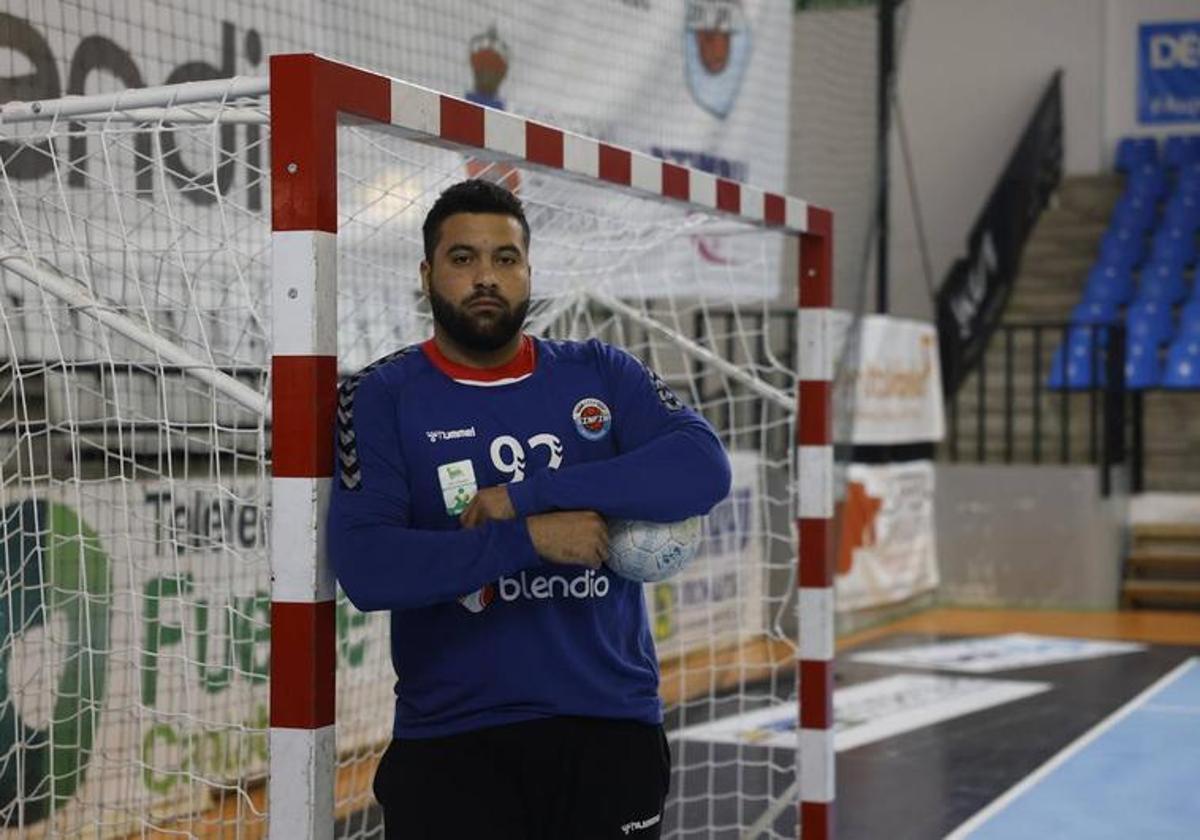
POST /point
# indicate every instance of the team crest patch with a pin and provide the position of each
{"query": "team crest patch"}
(592, 418)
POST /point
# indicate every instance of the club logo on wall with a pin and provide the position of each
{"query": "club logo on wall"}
(489, 57)
(716, 51)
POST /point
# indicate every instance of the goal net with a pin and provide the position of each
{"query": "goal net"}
(137, 315)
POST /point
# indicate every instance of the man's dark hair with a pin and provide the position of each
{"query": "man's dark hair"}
(473, 196)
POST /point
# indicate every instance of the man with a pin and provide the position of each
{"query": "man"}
(475, 472)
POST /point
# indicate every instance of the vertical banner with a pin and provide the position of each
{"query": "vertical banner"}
(887, 545)
(1169, 72)
(891, 392)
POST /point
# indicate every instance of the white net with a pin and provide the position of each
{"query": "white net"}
(134, 458)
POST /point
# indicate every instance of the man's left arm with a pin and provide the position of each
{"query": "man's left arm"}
(670, 464)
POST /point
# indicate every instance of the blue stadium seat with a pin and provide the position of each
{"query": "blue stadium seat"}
(1180, 150)
(1097, 312)
(1078, 373)
(1134, 211)
(1175, 245)
(1142, 367)
(1189, 323)
(1191, 308)
(1189, 180)
(1111, 283)
(1149, 321)
(1163, 282)
(1132, 151)
(1083, 354)
(1182, 370)
(1183, 211)
(1125, 247)
(1148, 180)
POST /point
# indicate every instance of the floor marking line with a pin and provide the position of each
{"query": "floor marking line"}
(1002, 802)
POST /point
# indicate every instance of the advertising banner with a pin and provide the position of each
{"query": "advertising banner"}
(702, 83)
(1010, 652)
(891, 390)
(138, 626)
(887, 546)
(1168, 70)
(870, 711)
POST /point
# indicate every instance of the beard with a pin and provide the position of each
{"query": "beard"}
(480, 333)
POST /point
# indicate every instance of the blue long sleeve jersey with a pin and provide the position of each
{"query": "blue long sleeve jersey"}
(484, 632)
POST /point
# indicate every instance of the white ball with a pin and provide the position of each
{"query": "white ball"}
(652, 551)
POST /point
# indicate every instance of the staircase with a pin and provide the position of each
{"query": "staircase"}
(1050, 282)
(1163, 567)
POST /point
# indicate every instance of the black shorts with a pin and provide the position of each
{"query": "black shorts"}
(562, 778)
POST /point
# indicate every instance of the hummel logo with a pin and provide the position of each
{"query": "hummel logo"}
(638, 825)
(435, 435)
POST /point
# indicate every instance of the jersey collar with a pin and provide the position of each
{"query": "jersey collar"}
(519, 368)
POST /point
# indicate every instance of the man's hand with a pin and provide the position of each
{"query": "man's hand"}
(571, 537)
(489, 503)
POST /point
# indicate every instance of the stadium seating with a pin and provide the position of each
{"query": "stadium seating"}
(1149, 181)
(1123, 246)
(1144, 274)
(1095, 312)
(1149, 321)
(1183, 364)
(1189, 180)
(1135, 212)
(1174, 244)
(1111, 283)
(1079, 362)
(1181, 150)
(1162, 281)
(1142, 366)
(1183, 211)
(1135, 151)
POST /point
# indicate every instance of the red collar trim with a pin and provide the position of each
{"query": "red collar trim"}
(519, 367)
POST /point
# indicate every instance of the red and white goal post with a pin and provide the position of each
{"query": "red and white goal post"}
(168, 254)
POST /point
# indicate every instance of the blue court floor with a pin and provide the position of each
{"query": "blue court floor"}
(1135, 775)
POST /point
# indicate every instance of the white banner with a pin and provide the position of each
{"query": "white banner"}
(703, 83)
(997, 653)
(159, 594)
(887, 547)
(871, 711)
(892, 390)
(717, 601)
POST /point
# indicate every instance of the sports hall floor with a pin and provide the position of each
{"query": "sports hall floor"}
(1108, 746)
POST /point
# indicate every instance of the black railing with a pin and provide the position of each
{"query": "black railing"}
(1074, 382)
(971, 300)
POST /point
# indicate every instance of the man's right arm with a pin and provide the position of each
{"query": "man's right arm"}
(381, 561)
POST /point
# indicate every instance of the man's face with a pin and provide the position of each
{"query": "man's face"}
(478, 282)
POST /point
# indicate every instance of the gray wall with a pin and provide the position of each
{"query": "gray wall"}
(970, 74)
(1018, 536)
